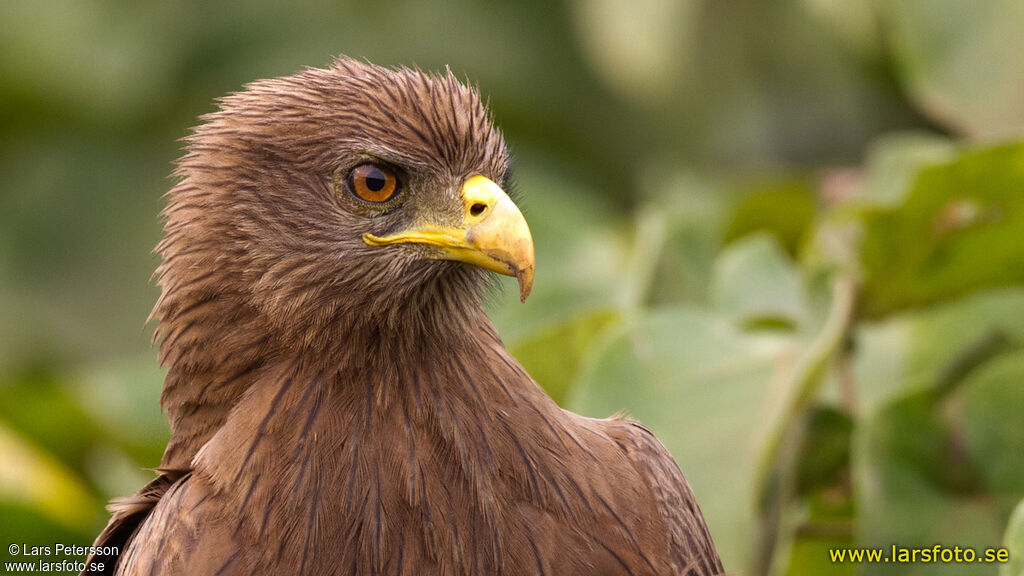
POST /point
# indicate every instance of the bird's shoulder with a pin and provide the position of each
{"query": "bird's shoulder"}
(127, 515)
(187, 531)
(691, 547)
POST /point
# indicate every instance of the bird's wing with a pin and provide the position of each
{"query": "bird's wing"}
(128, 514)
(691, 548)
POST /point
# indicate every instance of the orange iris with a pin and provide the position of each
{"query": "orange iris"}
(373, 182)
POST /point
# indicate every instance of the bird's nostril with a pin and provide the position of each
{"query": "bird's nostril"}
(477, 209)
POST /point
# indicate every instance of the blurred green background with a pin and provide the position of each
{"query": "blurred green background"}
(788, 236)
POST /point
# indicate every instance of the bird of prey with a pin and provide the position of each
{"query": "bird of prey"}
(339, 402)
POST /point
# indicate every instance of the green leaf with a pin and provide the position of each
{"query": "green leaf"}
(123, 399)
(852, 23)
(783, 207)
(1014, 542)
(36, 404)
(993, 428)
(755, 282)
(810, 556)
(894, 160)
(26, 524)
(553, 356)
(639, 49)
(961, 60)
(825, 509)
(917, 488)
(36, 479)
(940, 466)
(927, 346)
(959, 230)
(825, 452)
(696, 208)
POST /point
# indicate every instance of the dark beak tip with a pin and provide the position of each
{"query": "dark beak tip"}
(525, 284)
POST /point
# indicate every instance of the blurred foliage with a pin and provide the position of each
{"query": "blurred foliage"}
(1015, 543)
(787, 236)
(926, 249)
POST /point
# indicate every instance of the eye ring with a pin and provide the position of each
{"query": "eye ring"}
(373, 183)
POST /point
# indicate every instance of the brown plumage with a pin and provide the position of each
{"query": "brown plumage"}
(339, 402)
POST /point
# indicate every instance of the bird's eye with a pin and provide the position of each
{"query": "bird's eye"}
(373, 182)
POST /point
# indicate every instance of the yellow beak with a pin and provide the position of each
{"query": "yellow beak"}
(493, 234)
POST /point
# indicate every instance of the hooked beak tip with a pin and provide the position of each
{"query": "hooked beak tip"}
(525, 279)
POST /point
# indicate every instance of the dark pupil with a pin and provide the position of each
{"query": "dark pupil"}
(376, 180)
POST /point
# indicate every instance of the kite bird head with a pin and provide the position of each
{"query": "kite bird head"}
(354, 193)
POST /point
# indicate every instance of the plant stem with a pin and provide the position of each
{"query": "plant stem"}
(805, 382)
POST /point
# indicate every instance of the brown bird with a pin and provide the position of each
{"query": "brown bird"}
(339, 402)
